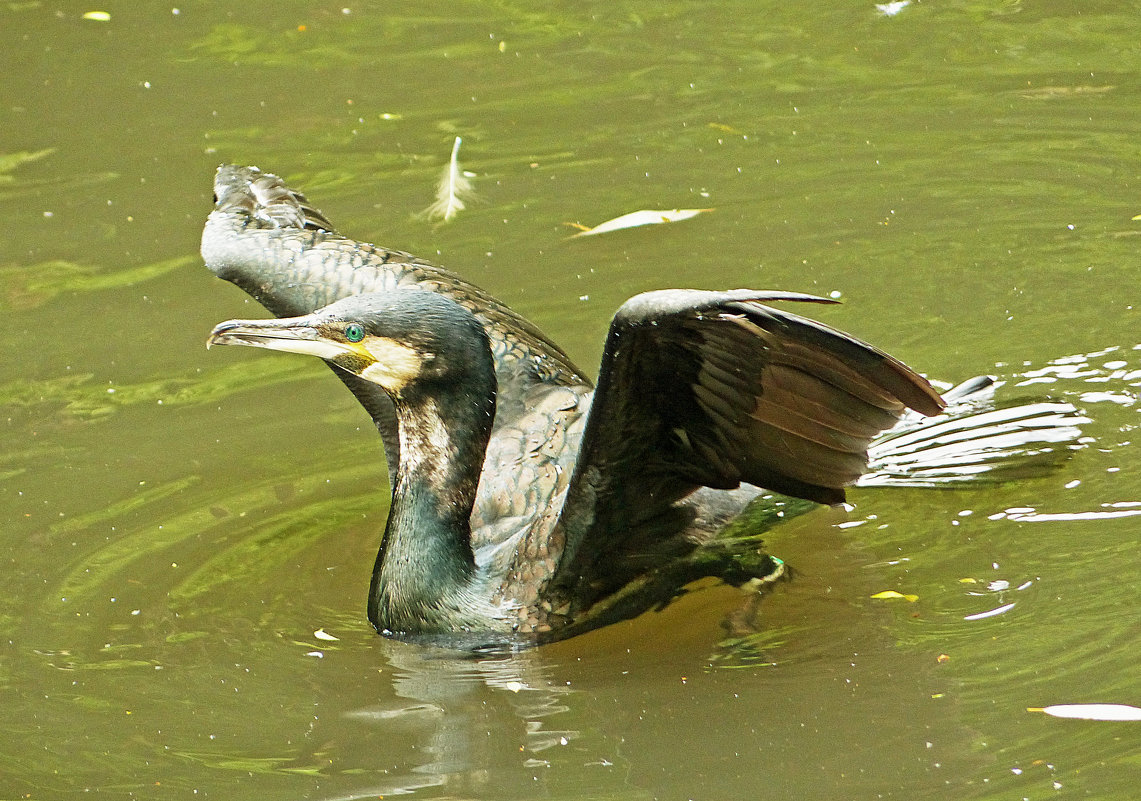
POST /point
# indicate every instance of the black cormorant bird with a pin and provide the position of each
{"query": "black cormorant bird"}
(528, 504)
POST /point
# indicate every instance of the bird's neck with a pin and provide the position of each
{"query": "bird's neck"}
(425, 571)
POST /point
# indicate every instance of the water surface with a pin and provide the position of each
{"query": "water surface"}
(180, 523)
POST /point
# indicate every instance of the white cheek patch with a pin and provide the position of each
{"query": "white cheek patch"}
(395, 366)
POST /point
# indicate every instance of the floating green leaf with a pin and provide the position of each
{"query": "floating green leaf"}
(30, 285)
(82, 396)
(10, 161)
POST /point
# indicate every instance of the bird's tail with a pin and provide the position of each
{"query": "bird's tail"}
(975, 440)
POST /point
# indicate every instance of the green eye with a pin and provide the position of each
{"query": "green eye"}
(354, 332)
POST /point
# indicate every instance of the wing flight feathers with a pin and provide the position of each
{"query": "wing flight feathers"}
(715, 388)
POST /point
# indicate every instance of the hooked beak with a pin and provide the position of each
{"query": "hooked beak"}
(380, 360)
(290, 334)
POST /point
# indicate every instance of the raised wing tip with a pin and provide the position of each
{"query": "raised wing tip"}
(265, 199)
(230, 174)
(663, 302)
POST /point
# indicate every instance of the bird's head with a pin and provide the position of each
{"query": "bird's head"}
(397, 340)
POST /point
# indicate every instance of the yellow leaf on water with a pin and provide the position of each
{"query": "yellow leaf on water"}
(1138, 217)
(891, 594)
(1090, 711)
(719, 126)
(98, 16)
(644, 217)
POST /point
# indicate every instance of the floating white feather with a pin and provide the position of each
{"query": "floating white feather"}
(638, 218)
(454, 189)
(1090, 711)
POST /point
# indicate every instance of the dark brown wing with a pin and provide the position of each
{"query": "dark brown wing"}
(714, 389)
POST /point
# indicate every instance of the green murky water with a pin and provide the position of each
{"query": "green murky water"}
(178, 524)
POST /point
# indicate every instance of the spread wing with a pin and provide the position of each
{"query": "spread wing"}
(714, 389)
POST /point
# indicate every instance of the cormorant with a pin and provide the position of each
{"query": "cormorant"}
(529, 505)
